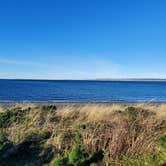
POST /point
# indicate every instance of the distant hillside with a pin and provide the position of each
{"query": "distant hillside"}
(133, 79)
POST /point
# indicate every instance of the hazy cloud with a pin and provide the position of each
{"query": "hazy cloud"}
(22, 63)
(86, 68)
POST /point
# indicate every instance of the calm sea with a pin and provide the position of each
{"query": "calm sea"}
(81, 91)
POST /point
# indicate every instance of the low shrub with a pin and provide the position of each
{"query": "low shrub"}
(162, 142)
(44, 134)
(31, 135)
(60, 161)
(10, 116)
(146, 159)
(34, 135)
(4, 143)
(49, 107)
(131, 112)
(78, 155)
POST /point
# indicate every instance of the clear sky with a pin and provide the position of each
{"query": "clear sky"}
(82, 39)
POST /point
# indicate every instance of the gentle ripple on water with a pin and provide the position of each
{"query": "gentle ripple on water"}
(81, 91)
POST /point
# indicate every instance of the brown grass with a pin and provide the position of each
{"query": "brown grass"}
(1, 109)
(102, 126)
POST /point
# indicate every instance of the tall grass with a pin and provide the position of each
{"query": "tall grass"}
(126, 134)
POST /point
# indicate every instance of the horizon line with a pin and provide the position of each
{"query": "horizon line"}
(90, 79)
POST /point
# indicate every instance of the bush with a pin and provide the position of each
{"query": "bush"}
(60, 161)
(31, 135)
(93, 164)
(4, 143)
(10, 116)
(131, 112)
(146, 159)
(77, 156)
(5, 118)
(162, 142)
(48, 107)
(34, 135)
(44, 134)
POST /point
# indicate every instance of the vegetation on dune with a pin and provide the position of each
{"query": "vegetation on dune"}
(88, 135)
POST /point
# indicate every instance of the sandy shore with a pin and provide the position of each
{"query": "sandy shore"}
(60, 104)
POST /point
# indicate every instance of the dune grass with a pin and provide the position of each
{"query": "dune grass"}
(88, 134)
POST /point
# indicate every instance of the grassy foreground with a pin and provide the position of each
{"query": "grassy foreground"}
(83, 135)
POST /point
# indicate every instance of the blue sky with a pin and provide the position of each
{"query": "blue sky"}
(82, 39)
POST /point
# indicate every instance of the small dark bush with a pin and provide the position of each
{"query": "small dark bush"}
(61, 161)
(4, 143)
(78, 155)
(40, 136)
(97, 157)
(10, 116)
(131, 112)
(31, 135)
(162, 142)
(49, 107)
(5, 117)
(44, 134)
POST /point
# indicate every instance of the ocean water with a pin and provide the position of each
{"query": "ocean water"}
(81, 91)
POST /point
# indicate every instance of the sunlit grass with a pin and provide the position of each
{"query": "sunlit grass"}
(125, 133)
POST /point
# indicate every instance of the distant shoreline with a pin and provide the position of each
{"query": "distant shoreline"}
(102, 79)
(78, 104)
(135, 80)
(82, 103)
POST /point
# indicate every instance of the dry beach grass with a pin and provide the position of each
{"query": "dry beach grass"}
(125, 134)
